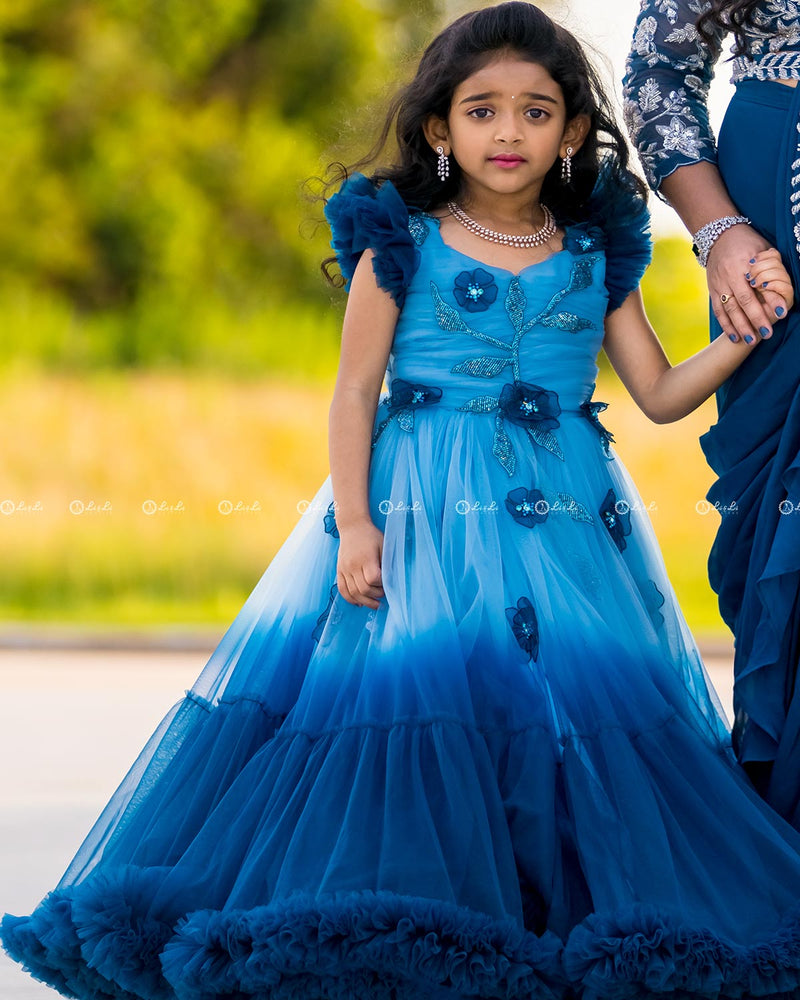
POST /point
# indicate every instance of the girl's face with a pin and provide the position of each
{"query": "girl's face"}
(506, 127)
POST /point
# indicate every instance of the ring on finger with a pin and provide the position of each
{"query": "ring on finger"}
(724, 297)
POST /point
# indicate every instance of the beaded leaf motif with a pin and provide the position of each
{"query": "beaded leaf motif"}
(450, 320)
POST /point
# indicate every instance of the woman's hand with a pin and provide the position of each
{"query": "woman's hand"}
(739, 263)
(358, 569)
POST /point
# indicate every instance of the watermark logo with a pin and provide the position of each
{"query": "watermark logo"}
(151, 507)
(228, 507)
(9, 507)
(703, 507)
(78, 507)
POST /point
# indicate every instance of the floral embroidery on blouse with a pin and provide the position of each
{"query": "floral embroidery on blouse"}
(528, 405)
(404, 399)
(590, 408)
(475, 290)
(525, 626)
(669, 70)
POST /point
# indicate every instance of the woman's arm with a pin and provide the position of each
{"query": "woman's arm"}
(367, 333)
(698, 194)
(665, 393)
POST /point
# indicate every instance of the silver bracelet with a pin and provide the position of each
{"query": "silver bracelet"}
(705, 237)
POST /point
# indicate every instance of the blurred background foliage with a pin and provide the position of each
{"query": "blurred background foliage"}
(165, 332)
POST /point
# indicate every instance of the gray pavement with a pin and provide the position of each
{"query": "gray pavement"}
(71, 723)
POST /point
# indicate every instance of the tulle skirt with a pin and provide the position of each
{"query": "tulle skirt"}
(511, 780)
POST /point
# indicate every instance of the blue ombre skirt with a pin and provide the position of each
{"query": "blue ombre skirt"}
(754, 448)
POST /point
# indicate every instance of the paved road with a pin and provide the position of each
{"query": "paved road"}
(71, 723)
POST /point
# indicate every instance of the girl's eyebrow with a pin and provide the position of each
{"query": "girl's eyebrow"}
(493, 93)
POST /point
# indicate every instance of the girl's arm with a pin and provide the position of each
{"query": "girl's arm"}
(665, 393)
(367, 332)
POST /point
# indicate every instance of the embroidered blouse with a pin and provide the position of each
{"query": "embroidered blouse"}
(670, 68)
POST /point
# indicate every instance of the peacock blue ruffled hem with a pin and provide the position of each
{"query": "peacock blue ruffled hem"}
(96, 941)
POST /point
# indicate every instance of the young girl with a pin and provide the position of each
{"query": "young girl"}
(458, 742)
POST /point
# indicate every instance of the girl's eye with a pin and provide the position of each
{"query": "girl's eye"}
(480, 112)
(536, 113)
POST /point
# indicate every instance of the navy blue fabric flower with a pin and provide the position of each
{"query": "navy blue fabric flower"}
(362, 215)
(316, 635)
(412, 394)
(529, 405)
(475, 290)
(527, 507)
(616, 517)
(525, 626)
(330, 520)
(584, 238)
(590, 410)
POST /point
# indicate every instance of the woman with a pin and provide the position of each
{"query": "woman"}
(738, 197)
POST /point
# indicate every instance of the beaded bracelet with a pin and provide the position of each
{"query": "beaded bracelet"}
(705, 237)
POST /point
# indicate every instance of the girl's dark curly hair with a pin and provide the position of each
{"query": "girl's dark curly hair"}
(459, 51)
(732, 15)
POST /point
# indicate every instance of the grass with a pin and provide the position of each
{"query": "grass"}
(105, 443)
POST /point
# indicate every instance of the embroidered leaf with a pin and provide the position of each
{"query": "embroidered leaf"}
(581, 274)
(446, 316)
(406, 419)
(546, 439)
(485, 367)
(380, 428)
(480, 404)
(515, 303)
(502, 449)
(576, 510)
(568, 321)
(649, 95)
(417, 228)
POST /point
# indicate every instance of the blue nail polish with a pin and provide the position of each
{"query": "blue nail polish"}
(732, 337)
(752, 260)
(765, 331)
(747, 276)
(765, 284)
(748, 339)
(779, 310)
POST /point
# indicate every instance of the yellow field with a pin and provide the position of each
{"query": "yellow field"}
(86, 458)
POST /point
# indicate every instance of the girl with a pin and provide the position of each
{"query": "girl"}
(458, 742)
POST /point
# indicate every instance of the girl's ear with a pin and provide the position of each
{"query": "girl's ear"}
(575, 133)
(437, 133)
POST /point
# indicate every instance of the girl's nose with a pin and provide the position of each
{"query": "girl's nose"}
(507, 129)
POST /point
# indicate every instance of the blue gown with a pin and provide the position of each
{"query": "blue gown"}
(512, 779)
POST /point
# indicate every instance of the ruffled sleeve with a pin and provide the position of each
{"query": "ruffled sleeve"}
(665, 88)
(362, 215)
(622, 214)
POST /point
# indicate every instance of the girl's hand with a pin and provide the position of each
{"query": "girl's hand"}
(745, 313)
(769, 277)
(358, 569)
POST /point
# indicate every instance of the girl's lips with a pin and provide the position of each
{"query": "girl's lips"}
(506, 161)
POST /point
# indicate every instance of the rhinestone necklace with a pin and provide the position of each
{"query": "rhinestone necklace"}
(542, 235)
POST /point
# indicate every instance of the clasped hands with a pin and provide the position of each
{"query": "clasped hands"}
(749, 286)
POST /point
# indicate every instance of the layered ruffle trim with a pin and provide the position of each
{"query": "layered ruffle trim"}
(94, 941)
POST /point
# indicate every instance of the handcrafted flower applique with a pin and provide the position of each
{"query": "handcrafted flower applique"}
(616, 517)
(525, 626)
(401, 403)
(584, 238)
(527, 507)
(475, 290)
(316, 635)
(528, 405)
(590, 409)
(329, 520)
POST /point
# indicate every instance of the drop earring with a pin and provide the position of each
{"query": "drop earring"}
(442, 164)
(566, 166)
